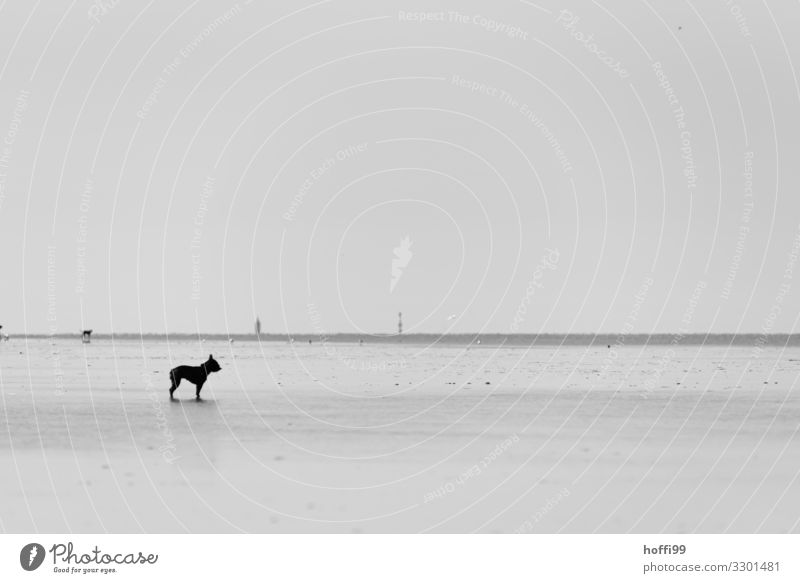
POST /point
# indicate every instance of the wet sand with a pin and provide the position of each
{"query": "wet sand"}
(398, 438)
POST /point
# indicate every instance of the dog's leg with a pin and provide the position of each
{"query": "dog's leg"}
(199, 387)
(175, 382)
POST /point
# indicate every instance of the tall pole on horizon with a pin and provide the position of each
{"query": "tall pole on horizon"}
(399, 323)
(258, 327)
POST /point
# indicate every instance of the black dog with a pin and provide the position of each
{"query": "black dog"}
(196, 375)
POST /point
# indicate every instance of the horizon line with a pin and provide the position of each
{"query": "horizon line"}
(395, 335)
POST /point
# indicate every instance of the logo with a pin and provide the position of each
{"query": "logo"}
(31, 556)
(402, 257)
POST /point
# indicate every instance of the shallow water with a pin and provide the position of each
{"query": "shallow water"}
(342, 437)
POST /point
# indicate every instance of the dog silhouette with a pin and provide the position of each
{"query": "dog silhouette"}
(197, 375)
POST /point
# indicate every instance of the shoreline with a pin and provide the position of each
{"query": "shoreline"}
(475, 340)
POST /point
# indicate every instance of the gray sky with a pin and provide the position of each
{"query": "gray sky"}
(564, 168)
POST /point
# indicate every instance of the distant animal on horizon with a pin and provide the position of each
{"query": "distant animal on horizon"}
(197, 375)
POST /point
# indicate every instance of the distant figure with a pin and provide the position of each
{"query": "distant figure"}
(197, 375)
(360, 342)
(87, 336)
(258, 327)
(309, 340)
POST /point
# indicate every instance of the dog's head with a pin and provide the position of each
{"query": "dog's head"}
(212, 365)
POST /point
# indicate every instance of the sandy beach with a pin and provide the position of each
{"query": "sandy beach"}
(398, 438)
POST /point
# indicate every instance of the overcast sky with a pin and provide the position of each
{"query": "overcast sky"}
(478, 166)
